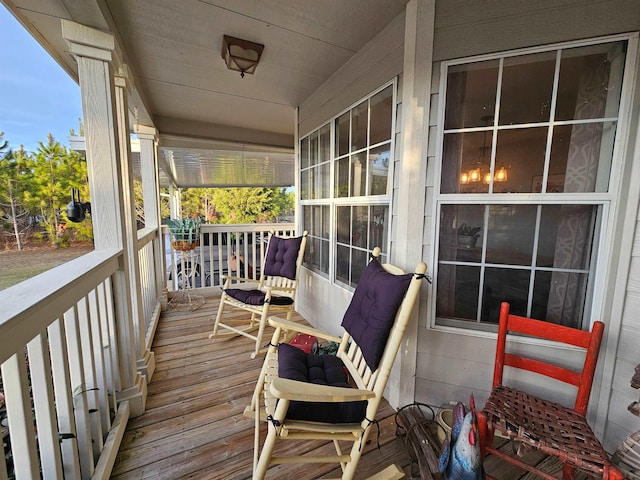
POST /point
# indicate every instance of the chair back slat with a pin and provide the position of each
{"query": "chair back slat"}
(549, 331)
(543, 368)
(588, 341)
(280, 282)
(271, 372)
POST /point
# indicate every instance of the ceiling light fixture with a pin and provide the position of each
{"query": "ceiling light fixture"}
(241, 55)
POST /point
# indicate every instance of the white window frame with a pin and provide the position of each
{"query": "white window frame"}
(608, 202)
(365, 200)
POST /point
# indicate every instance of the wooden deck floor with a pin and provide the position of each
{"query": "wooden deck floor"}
(193, 425)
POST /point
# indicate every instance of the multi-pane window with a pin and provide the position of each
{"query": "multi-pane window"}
(363, 147)
(357, 162)
(360, 228)
(317, 222)
(527, 152)
(315, 164)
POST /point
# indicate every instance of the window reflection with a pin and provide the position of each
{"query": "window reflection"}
(360, 228)
(359, 126)
(381, 116)
(458, 292)
(527, 85)
(590, 82)
(522, 135)
(378, 169)
(360, 157)
(534, 256)
(316, 221)
(471, 94)
(511, 234)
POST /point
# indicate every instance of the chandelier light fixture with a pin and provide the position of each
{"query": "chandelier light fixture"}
(241, 55)
(482, 172)
(477, 174)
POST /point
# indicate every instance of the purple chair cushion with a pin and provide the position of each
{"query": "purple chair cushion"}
(373, 309)
(256, 297)
(296, 364)
(282, 256)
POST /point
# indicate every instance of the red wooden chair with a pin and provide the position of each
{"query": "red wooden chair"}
(538, 423)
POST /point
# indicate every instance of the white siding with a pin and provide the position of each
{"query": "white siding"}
(620, 422)
(451, 364)
(377, 63)
(466, 28)
(320, 302)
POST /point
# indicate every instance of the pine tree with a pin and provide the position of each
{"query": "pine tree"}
(14, 179)
(56, 171)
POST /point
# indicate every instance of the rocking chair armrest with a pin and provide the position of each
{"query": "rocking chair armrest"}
(297, 327)
(311, 392)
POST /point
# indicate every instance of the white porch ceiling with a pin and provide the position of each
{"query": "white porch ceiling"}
(182, 87)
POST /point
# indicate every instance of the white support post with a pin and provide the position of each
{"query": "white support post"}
(151, 201)
(105, 118)
(148, 137)
(175, 207)
(416, 97)
(143, 356)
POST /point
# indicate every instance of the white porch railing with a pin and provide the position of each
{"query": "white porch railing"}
(60, 364)
(58, 352)
(61, 350)
(223, 249)
(149, 261)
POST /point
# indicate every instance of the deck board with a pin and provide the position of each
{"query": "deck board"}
(193, 427)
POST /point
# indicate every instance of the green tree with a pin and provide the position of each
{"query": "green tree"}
(283, 204)
(243, 205)
(194, 203)
(56, 171)
(14, 180)
(237, 205)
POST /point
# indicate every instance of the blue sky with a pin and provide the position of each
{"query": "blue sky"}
(37, 97)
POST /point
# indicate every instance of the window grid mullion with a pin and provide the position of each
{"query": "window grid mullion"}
(534, 259)
(552, 117)
(494, 127)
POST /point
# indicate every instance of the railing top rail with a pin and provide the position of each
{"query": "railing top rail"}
(30, 306)
(145, 235)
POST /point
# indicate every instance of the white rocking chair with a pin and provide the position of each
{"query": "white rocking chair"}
(275, 292)
(296, 410)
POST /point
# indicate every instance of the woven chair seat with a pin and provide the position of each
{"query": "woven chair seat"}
(546, 426)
